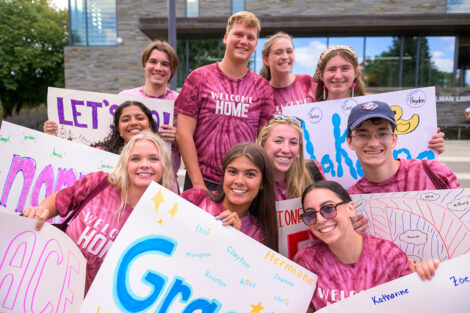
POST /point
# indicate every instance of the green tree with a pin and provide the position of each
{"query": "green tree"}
(384, 69)
(32, 40)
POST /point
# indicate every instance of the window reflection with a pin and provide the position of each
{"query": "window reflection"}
(238, 5)
(382, 61)
(192, 8)
(93, 22)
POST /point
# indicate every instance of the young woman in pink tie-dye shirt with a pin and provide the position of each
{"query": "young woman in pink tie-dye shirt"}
(346, 261)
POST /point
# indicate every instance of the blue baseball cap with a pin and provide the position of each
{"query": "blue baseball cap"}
(368, 110)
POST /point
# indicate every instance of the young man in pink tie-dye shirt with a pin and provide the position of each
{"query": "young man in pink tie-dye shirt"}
(371, 133)
(222, 104)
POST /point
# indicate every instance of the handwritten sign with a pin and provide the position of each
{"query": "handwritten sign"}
(34, 165)
(293, 233)
(447, 292)
(171, 256)
(424, 224)
(87, 117)
(325, 129)
(39, 271)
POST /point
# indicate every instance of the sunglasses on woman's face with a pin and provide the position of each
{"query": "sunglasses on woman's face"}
(297, 121)
(328, 211)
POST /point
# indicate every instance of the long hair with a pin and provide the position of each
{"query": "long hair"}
(297, 177)
(114, 142)
(349, 55)
(330, 185)
(119, 177)
(162, 46)
(263, 207)
(265, 71)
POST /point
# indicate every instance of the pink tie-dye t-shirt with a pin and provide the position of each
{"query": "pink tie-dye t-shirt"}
(250, 225)
(410, 176)
(301, 91)
(227, 110)
(95, 228)
(381, 261)
(139, 92)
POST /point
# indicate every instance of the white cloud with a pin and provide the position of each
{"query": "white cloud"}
(308, 56)
(443, 64)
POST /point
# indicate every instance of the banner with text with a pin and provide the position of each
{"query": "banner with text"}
(87, 117)
(447, 292)
(39, 271)
(34, 165)
(171, 256)
(325, 129)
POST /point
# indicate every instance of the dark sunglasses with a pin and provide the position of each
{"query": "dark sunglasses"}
(328, 211)
(297, 121)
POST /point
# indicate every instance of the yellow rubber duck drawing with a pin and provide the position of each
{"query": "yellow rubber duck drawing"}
(404, 126)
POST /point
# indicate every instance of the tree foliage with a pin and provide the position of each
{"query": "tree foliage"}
(384, 69)
(32, 40)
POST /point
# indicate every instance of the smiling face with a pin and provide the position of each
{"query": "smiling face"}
(373, 153)
(242, 181)
(281, 56)
(157, 68)
(331, 231)
(131, 122)
(144, 165)
(282, 146)
(240, 42)
(338, 76)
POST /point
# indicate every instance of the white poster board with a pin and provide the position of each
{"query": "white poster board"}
(34, 165)
(448, 291)
(171, 256)
(40, 271)
(424, 224)
(87, 117)
(293, 233)
(325, 129)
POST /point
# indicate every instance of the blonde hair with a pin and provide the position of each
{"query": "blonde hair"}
(245, 17)
(265, 71)
(119, 177)
(297, 177)
(349, 55)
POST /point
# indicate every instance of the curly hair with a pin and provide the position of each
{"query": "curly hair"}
(114, 142)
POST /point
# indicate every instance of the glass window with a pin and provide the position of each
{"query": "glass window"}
(357, 43)
(382, 61)
(93, 22)
(458, 6)
(192, 8)
(238, 5)
(436, 62)
(78, 23)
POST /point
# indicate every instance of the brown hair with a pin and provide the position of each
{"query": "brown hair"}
(162, 46)
(248, 18)
(265, 71)
(263, 207)
(349, 55)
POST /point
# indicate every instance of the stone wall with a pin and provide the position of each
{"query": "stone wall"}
(344, 7)
(114, 68)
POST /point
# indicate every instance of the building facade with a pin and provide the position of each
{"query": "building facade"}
(400, 44)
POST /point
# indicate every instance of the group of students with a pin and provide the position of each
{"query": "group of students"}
(222, 110)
